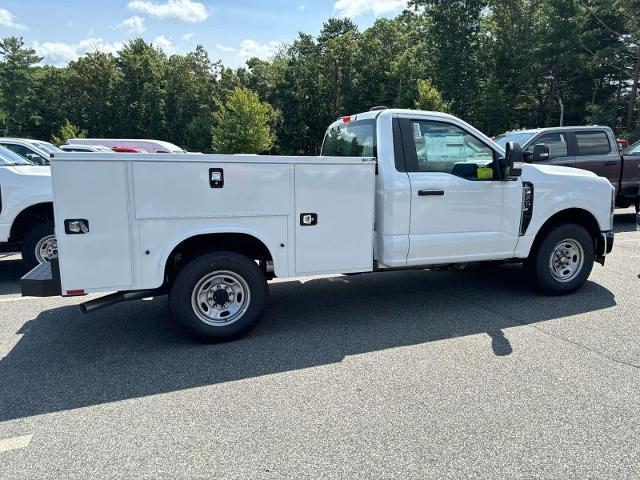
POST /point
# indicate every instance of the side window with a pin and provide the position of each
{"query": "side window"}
(593, 143)
(353, 139)
(557, 143)
(441, 146)
(19, 149)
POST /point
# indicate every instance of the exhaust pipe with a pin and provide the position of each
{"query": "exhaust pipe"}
(115, 298)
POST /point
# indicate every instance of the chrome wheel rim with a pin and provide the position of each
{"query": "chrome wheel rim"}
(567, 259)
(220, 298)
(46, 249)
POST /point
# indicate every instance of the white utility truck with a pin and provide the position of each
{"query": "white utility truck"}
(26, 209)
(393, 189)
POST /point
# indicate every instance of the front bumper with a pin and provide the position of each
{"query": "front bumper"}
(604, 245)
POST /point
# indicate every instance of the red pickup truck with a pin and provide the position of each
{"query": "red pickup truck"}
(592, 148)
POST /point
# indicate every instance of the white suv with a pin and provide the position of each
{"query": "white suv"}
(26, 209)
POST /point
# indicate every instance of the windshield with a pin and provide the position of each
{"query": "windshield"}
(353, 139)
(633, 149)
(7, 157)
(46, 146)
(517, 137)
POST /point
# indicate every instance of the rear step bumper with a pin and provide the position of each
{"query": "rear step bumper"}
(42, 281)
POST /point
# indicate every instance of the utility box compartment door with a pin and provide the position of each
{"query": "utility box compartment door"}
(334, 211)
(99, 259)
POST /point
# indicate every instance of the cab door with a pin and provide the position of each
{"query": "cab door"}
(460, 211)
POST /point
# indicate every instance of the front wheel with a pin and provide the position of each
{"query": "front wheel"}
(219, 296)
(39, 245)
(563, 261)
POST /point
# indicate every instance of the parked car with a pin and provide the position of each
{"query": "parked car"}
(26, 209)
(622, 143)
(211, 229)
(592, 148)
(150, 146)
(85, 148)
(35, 151)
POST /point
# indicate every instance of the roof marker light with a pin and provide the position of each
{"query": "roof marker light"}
(346, 119)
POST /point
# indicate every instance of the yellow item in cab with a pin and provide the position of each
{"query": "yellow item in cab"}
(484, 173)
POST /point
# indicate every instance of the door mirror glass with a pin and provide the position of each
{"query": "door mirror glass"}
(513, 160)
(540, 153)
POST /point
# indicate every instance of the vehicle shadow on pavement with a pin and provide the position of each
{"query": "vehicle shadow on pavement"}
(66, 360)
(10, 273)
(625, 222)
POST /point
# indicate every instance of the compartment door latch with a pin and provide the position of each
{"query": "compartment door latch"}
(308, 219)
(216, 177)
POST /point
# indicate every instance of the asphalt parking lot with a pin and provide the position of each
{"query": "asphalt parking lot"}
(416, 374)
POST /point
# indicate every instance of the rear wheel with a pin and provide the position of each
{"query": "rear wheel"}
(39, 245)
(219, 296)
(563, 261)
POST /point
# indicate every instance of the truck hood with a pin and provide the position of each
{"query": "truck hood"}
(32, 170)
(563, 171)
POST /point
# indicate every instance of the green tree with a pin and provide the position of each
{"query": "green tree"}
(93, 85)
(429, 98)
(141, 90)
(243, 124)
(16, 83)
(191, 98)
(68, 131)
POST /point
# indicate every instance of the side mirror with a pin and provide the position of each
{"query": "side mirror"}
(540, 153)
(35, 158)
(514, 158)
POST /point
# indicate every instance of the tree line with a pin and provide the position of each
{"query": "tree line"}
(498, 64)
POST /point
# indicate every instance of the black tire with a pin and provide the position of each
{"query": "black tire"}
(31, 239)
(192, 316)
(538, 268)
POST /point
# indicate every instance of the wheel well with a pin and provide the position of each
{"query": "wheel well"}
(572, 215)
(28, 218)
(241, 243)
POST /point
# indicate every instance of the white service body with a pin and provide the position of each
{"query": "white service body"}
(140, 209)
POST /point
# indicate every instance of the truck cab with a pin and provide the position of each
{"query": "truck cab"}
(440, 196)
(36, 151)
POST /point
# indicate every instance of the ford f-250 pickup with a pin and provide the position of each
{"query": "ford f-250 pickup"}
(393, 189)
(593, 148)
(26, 209)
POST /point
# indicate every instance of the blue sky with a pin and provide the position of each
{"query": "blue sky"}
(231, 31)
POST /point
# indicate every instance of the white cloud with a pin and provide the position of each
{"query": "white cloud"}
(133, 24)
(60, 54)
(165, 44)
(250, 48)
(188, 36)
(354, 8)
(225, 48)
(186, 11)
(7, 19)
(301, 8)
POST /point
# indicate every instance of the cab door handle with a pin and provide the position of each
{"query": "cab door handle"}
(430, 193)
(610, 163)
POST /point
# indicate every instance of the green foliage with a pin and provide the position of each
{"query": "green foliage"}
(16, 83)
(243, 124)
(68, 131)
(429, 98)
(499, 64)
